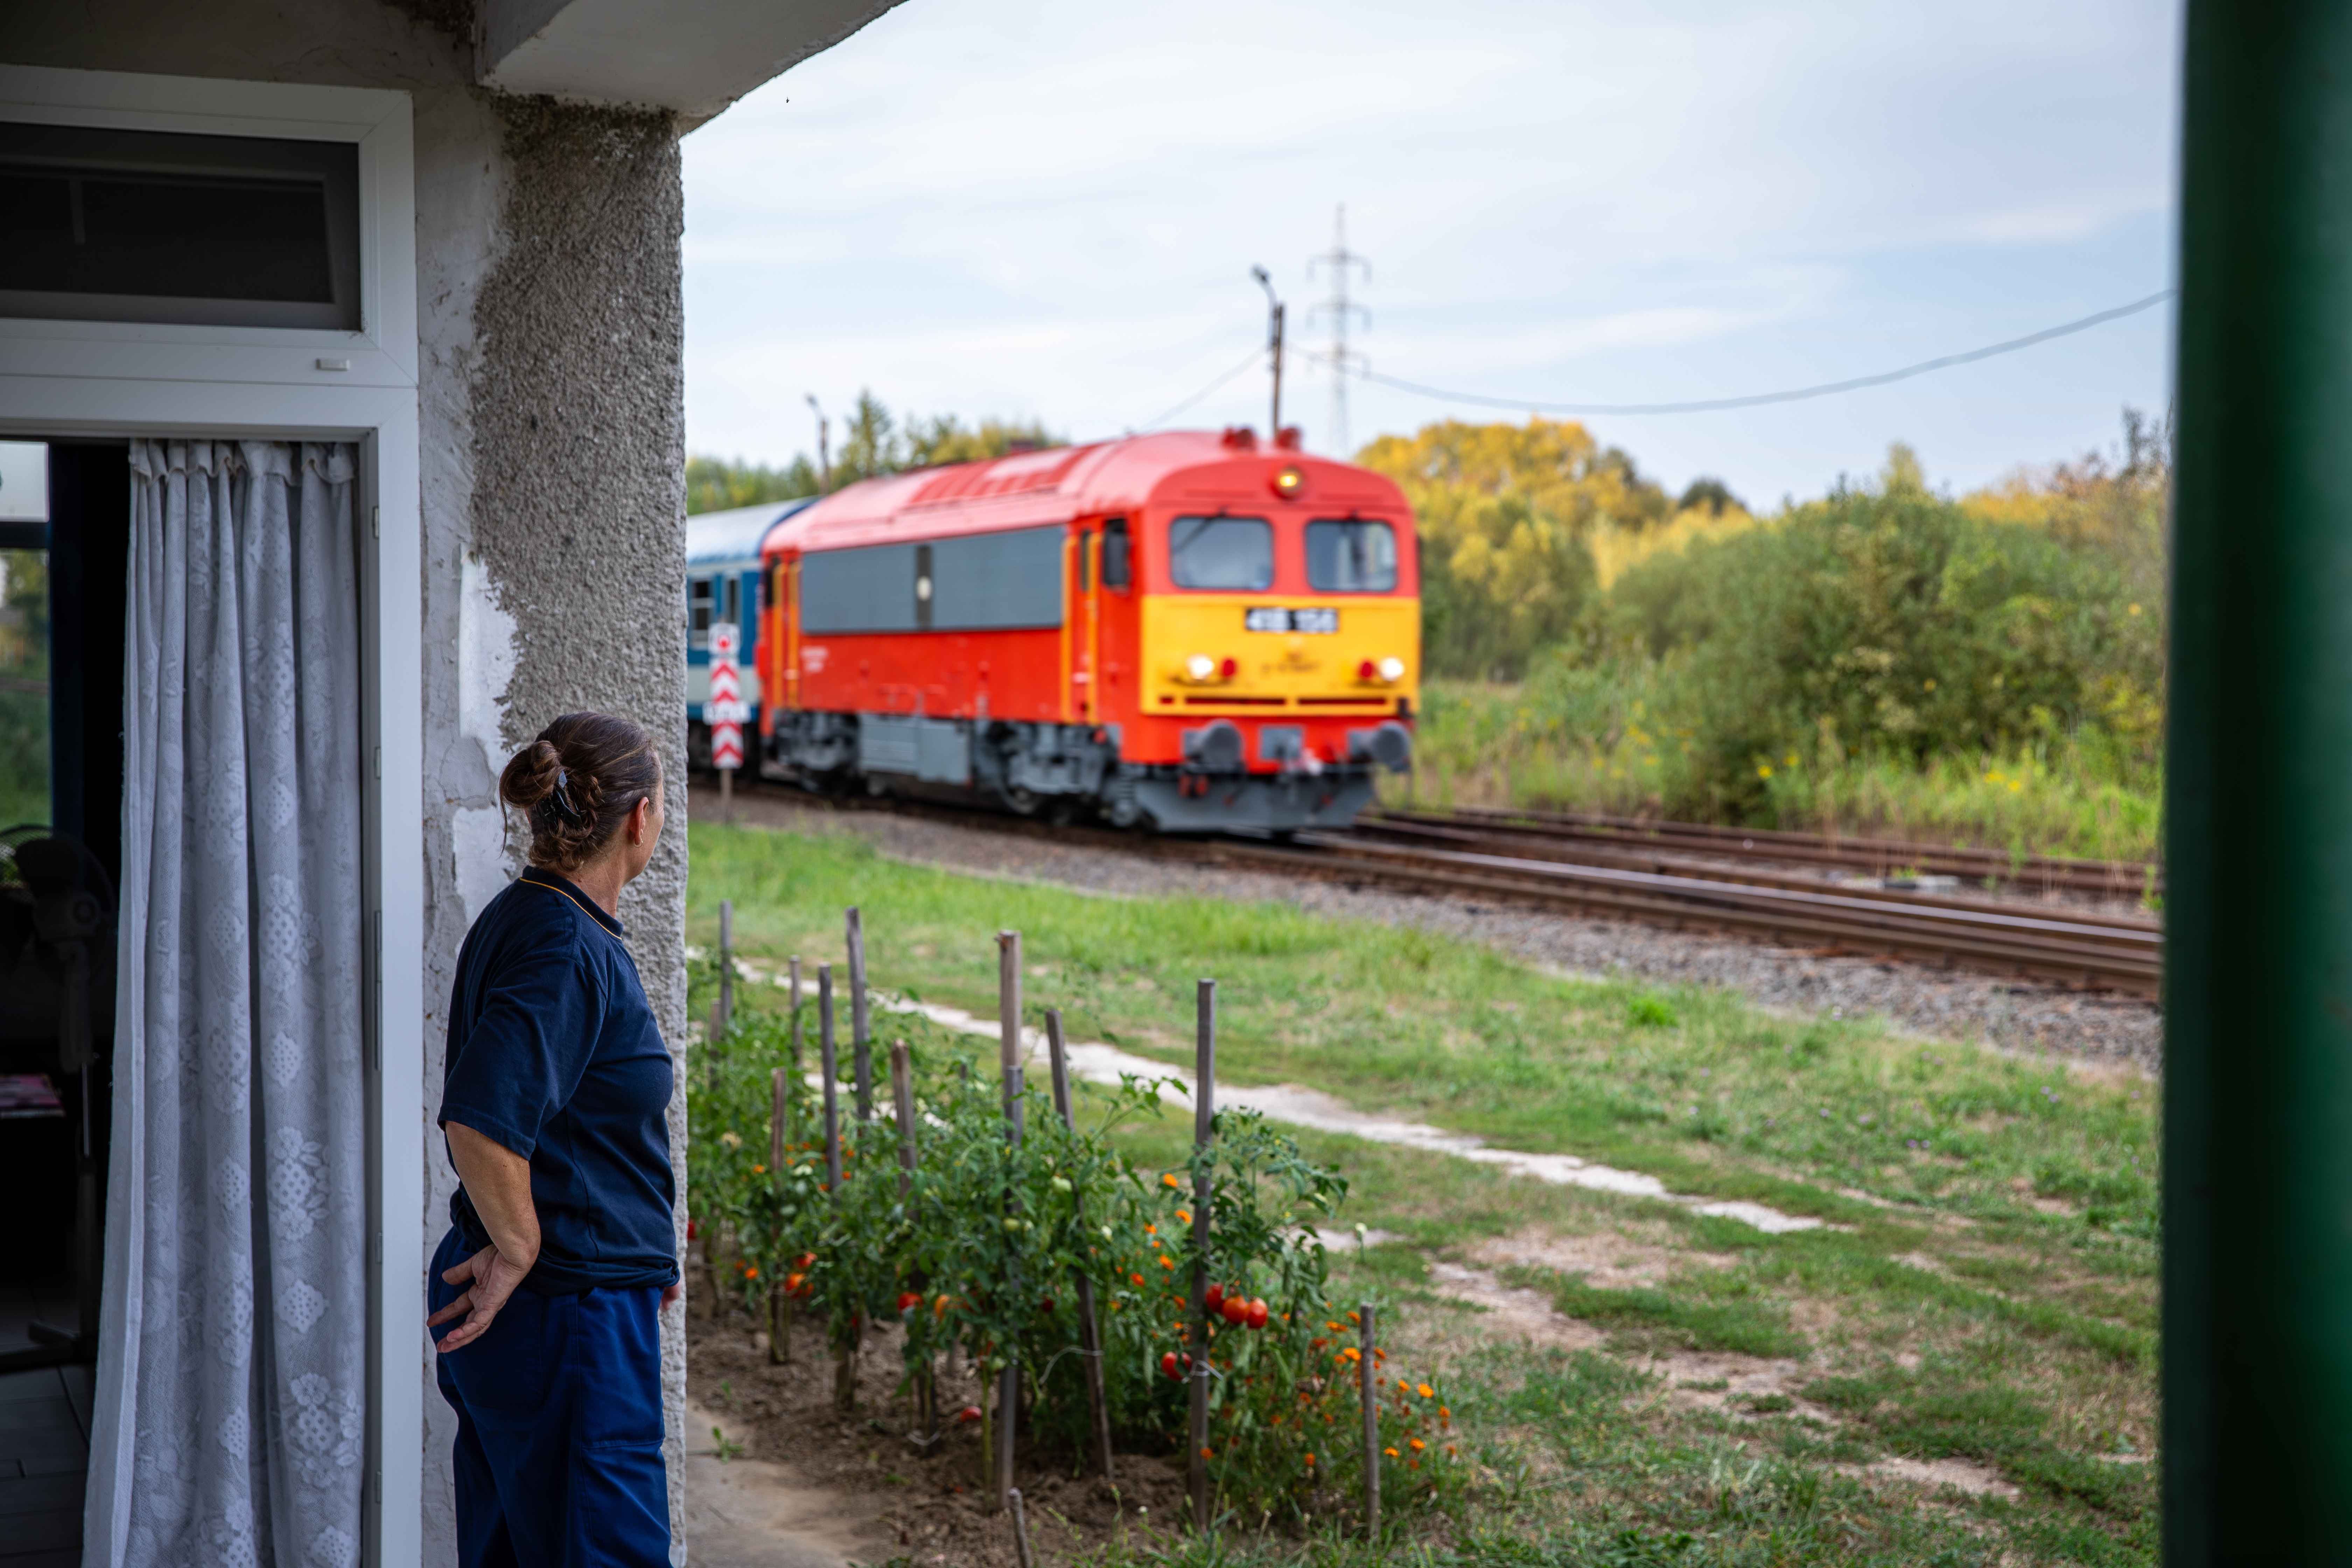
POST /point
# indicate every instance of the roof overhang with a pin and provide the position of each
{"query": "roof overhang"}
(691, 56)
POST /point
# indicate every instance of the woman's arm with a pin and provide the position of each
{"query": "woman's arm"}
(498, 1184)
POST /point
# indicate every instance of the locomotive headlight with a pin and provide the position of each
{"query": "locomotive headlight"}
(1287, 482)
(1200, 667)
(1392, 670)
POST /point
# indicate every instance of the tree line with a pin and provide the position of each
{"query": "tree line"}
(874, 442)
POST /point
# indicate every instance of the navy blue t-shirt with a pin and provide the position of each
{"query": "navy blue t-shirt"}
(554, 1053)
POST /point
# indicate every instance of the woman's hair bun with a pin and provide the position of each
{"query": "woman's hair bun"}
(530, 777)
(576, 784)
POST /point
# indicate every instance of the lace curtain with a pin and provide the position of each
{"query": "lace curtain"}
(229, 1427)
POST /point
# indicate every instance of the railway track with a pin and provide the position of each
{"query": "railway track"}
(1877, 856)
(1500, 858)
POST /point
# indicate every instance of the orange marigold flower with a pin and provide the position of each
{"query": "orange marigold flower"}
(1391, 1453)
(1151, 1230)
(1167, 1178)
(1165, 1262)
(1426, 1391)
(1416, 1444)
(1355, 1317)
(1136, 1277)
(1352, 1353)
(758, 1170)
(750, 1273)
(1207, 1453)
(1184, 1216)
(1333, 1326)
(1310, 1458)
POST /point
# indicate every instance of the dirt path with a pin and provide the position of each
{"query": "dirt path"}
(759, 1513)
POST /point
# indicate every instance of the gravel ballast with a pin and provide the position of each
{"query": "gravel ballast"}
(1946, 1005)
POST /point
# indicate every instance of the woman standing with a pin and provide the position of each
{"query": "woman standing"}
(560, 1250)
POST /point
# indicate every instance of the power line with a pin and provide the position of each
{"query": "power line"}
(1343, 364)
(1795, 395)
(1155, 424)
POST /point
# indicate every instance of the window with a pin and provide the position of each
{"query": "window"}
(1118, 569)
(1351, 556)
(868, 589)
(151, 225)
(697, 612)
(1234, 552)
(996, 582)
(24, 634)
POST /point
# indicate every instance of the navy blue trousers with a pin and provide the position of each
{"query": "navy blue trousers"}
(559, 1410)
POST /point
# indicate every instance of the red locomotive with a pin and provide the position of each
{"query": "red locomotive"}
(1187, 631)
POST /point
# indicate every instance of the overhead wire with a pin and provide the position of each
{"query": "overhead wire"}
(1257, 356)
(1756, 400)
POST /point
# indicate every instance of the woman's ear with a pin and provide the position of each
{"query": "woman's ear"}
(641, 817)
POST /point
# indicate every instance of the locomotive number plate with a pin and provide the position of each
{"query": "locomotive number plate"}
(1274, 618)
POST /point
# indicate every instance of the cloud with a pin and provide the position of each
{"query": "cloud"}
(1053, 210)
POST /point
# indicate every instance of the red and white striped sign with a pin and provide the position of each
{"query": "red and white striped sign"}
(723, 708)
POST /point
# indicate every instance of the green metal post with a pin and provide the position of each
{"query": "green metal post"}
(2257, 1451)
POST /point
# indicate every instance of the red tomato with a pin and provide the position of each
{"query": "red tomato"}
(693, 1229)
(1168, 1365)
(969, 1413)
(1257, 1312)
(1237, 1310)
(1216, 1295)
(908, 1299)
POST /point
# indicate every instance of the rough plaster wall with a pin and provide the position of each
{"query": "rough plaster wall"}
(468, 642)
(579, 494)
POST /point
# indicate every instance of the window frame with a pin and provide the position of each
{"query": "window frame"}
(1273, 562)
(1306, 553)
(109, 380)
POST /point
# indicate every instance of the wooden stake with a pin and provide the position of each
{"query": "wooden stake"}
(845, 1355)
(825, 1066)
(726, 964)
(793, 966)
(1368, 1382)
(1205, 1112)
(1020, 1530)
(1089, 1339)
(1008, 1062)
(780, 1304)
(861, 1047)
(902, 1101)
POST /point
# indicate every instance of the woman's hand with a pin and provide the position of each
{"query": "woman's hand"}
(494, 1278)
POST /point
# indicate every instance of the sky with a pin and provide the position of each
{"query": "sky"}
(1050, 211)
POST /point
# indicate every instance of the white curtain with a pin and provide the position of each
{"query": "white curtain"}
(229, 1428)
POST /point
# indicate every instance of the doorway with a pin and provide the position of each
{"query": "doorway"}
(64, 532)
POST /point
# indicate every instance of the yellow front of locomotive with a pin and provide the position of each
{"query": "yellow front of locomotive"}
(1279, 647)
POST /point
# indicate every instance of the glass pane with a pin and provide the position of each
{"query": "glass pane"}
(24, 687)
(1220, 552)
(1351, 557)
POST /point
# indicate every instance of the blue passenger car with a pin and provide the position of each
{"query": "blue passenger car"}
(723, 584)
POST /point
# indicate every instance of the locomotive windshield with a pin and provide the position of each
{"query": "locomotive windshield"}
(1351, 556)
(1234, 553)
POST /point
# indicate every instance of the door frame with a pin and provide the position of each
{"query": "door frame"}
(108, 379)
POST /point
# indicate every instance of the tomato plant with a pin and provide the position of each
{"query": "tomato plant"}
(980, 1247)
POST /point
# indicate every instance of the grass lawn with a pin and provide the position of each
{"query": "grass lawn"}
(1958, 1367)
